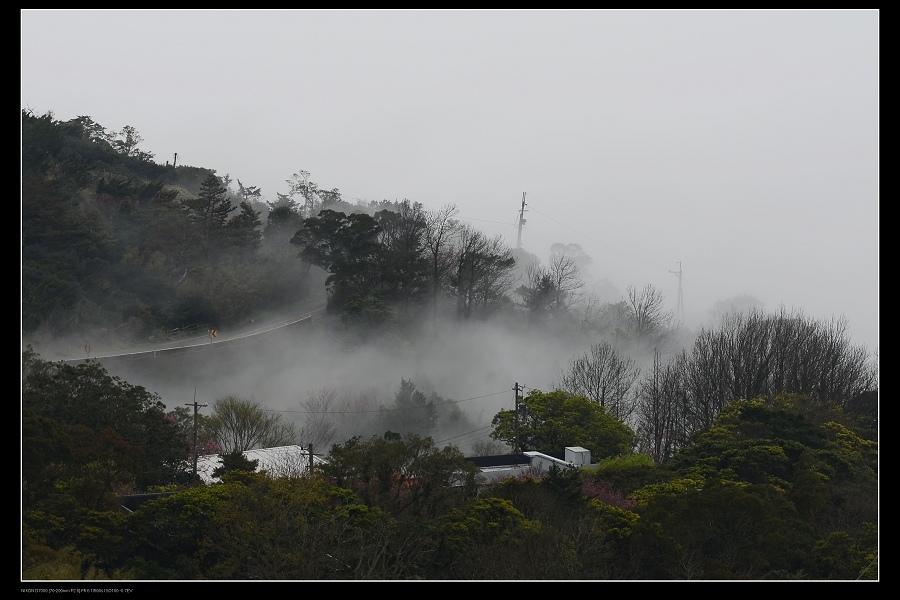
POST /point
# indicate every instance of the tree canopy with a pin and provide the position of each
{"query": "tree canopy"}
(550, 421)
(238, 424)
(86, 396)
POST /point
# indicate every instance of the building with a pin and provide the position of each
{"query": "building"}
(497, 468)
(281, 461)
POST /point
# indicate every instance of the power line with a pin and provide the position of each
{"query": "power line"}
(464, 434)
(631, 253)
(376, 410)
(618, 248)
(486, 221)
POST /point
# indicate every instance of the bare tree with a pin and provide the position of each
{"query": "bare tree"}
(356, 412)
(551, 290)
(756, 354)
(489, 448)
(589, 312)
(604, 377)
(483, 272)
(537, 293)
(751, 355)
(240, 424)
(575, 252)
(648, 321)
(661, 399)
(567, 281)
(320, 425)
(440, 229)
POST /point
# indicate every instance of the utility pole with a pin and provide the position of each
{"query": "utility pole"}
(521, 222)
(516, 390)
(680, 310)
(196, 408)
(310, 459)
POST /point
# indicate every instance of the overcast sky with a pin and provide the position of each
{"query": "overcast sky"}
(740, 145)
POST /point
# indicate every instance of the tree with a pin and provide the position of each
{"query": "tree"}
(412, 411)
(718, 529)
(46, 451)
(347, 247)
(663, 408)
(440, 228)
(483, 272)
(552, 290)
(282, 222)
(489, 448)
(244, 228)
(319, 428)
(574, 252)
(749, 355)
(604, 377)
(235, 461)
(550, 421)
(402, 234)
(475, 536)
(208, 214)
(790, 464)
(93, 130)
(300, 184)
(405, 475)
(250, 194)
(108, 408)
(565, 274)
(648, 321)
(128, 140)
(537, 293)
(241, 424)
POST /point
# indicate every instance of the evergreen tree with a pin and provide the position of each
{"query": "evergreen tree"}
(245, 227)
(208, 214)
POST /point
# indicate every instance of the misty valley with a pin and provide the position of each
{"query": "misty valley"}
(171, 315)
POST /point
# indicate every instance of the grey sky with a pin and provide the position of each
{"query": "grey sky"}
(742, 144)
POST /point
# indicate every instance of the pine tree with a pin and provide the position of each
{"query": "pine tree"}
(208, 214)
(245, 227)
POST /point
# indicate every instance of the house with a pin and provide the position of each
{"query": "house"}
(281, 461)
(497, 468)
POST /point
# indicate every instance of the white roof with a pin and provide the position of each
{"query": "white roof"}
(281, 461)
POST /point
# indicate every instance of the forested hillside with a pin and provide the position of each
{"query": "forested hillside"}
(744, 450)
(120, 248)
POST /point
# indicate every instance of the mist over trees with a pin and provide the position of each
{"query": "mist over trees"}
(605, 377)
(776, 488)
(117, 248)
(761, 424)
(751, 354)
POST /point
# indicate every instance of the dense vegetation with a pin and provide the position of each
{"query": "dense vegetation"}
(777, 488)
(127, 249)
(748, 453)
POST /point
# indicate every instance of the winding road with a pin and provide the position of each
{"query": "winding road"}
(305, 313)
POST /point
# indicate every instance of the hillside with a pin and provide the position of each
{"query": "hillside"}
(116, 251)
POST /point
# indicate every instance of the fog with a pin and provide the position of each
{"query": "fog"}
(738, 146)
(472, 365)
(714, 155)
